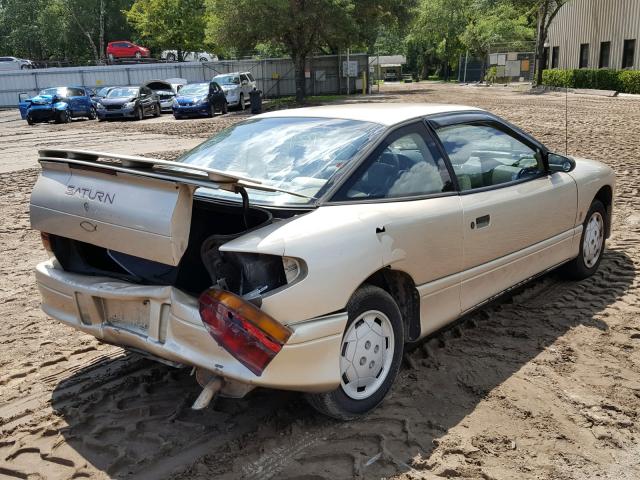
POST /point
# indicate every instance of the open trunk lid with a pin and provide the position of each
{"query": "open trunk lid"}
(134, 205)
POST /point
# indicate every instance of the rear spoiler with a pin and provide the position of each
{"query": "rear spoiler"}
(195, 175)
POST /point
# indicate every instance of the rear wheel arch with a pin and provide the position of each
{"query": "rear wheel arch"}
(605, 195)
(402, 288)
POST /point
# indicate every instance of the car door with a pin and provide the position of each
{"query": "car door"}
(75, 97)
(6, 63)
(406, 184)
(518, 219)
(23, 105)
(217, 97)
(244, 85)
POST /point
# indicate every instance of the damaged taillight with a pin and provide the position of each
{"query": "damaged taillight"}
(46, 243)
(246, 332)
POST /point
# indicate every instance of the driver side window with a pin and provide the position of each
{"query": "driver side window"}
(407, 164)
(483, 156)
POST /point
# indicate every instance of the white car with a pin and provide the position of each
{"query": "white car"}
(13, 63)
(302, 249)
(172, 56)
(237, 87)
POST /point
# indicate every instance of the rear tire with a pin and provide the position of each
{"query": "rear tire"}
(30, 120)
(63, 117)
(376, 347)
(212, 110)
(592, 243)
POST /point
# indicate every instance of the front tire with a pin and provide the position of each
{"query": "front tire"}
(63, 117)
(225, 107)
(157, 111)
(212, 110)
(92, 114)
(139, 114)
(592, 244)
(370, 356)
(241, 104)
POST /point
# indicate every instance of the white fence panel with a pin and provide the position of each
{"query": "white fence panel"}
(274, 76)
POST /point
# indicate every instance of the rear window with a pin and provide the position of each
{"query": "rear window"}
(301, 155)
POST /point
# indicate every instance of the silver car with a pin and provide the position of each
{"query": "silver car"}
(13, 63)
(302, 249)
(236, 87)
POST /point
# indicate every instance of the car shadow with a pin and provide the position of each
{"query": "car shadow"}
(133, 413)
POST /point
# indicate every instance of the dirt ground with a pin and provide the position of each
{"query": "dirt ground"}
(543, 384)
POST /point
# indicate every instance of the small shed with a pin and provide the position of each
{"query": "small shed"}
(387, 67)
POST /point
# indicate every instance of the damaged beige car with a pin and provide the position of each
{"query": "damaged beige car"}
(303, 249)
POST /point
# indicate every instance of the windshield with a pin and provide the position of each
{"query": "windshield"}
(60, 91)
(103, 91)
(295, 154)
(227, 79)
(123, 92)
(195, 89)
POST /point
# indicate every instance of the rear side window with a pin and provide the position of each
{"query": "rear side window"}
(484, 156)
(406, 164)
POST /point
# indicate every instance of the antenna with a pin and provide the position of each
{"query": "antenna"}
(565, 54)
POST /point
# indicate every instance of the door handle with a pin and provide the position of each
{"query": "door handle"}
(481, 222)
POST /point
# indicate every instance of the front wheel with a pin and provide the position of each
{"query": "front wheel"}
(591, 243)
(157, 111)
(63, 117)
(92, 114)
(370, 356)
(212, 110)
(241, 104)
(139, 114)
(225, 107)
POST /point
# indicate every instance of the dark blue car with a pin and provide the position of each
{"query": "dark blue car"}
(60, 104)
(199, 99)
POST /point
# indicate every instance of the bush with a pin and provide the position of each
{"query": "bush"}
(491, 75)
(557, 78)
(625, 81)
(630, 81)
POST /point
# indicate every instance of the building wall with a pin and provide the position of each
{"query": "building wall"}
(592, 22)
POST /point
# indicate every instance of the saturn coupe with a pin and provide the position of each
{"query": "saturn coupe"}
(305, 249)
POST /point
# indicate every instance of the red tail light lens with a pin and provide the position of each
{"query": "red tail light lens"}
(246, 332)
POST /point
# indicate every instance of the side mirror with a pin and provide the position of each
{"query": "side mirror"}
(559, 163)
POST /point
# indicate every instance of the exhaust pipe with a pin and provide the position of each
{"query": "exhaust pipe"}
(209, 391)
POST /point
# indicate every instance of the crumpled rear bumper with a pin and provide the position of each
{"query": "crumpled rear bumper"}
(165, 322)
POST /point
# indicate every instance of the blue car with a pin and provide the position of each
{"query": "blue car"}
(199, 99)
(60, 104)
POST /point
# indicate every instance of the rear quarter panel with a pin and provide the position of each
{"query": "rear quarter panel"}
(591, 176)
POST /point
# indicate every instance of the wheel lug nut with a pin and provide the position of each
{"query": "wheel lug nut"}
(372, 364)
(375, 350)
(363, 360)
(367, 345)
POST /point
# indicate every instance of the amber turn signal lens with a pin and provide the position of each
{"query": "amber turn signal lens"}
(46, 242)
(246, 332)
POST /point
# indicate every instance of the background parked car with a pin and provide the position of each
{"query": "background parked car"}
(236, 87)
(13, 63)
(101, 92)
(199, 99)
(172, 56)
(129, 102)
(164, 91)
(57, 103)
(126, 49)
(177, 83)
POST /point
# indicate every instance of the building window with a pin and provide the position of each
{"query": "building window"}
(605, 50)
(628, 52)
(555, 57)
(584, 55)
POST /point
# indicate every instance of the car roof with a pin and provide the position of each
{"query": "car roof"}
(383, 113)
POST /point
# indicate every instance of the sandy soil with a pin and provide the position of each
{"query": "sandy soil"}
(543, 384)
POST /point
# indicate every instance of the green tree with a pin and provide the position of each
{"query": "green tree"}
(502, 23)
(438, 28)
(303, 27)
(170, 24)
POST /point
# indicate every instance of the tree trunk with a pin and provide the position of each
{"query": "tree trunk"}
(299, 63)
(101, 39)
(542, 37)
